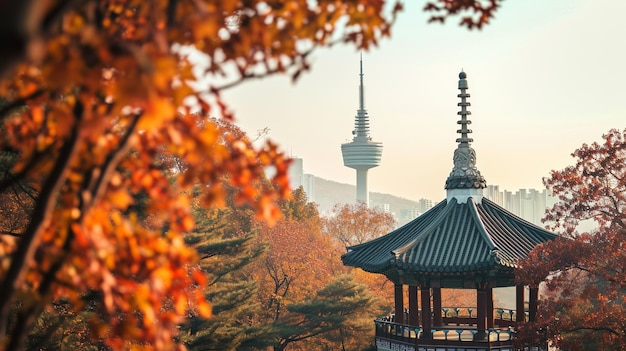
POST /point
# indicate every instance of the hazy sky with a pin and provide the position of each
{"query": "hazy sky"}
(544, 78)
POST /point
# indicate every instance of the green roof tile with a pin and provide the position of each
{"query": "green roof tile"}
(464, 239)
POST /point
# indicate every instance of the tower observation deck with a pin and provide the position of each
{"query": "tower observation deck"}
(362, 153)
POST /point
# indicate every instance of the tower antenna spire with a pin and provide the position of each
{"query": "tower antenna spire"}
(361, 87)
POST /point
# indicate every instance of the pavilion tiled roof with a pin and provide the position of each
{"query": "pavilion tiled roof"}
(465, 239)
(451, 237)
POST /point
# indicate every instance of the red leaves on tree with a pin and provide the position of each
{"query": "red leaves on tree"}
(586, 271)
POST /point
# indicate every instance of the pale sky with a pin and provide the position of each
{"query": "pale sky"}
(544, 78)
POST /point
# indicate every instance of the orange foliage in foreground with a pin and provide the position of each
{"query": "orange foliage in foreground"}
(102, 93)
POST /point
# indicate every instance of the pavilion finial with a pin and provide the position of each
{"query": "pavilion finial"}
(464, 175)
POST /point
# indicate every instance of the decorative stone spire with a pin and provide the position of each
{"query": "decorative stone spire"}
(464, 175)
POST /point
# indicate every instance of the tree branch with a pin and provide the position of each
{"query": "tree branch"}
(6, 109)
(13, 279)
(600, 329)
(11, 233)
(247, 76)
(14, 178)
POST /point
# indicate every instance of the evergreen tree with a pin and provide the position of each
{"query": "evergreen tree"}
(298, 207)
(333, 318)
(224, 253)
(61, 328)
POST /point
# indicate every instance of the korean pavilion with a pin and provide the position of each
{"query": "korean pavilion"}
(464, 242)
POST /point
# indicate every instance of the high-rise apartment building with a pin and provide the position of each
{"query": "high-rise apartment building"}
(530, 204)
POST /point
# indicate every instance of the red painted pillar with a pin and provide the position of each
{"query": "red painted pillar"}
(413, 308)
(520, 310)
(481, 313)
(533, 299)
(489, 296)
(426, 313)
(437, 322)
(399, 302)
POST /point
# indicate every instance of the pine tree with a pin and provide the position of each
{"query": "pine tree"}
(224, 253)
(335, 318)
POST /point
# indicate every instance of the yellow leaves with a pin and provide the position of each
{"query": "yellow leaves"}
(165, 69)
(181, 92)
(138, 270)
(204, 308)
(158, 113)
(187, 223)
(162, 278)
(37, 114)
(120, 199)
(205, 28)
(128, 92)
(229, 6)
(298, 16)
(73, 23)
(181, 304)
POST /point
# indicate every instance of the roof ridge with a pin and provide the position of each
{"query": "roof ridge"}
(480, 224)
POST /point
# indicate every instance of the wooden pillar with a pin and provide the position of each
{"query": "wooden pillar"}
(437, 322)
(489, 296)
(399, 304)
(520, 310)
(426, 313)
(413, 308)
(532, 304)
(481, 313)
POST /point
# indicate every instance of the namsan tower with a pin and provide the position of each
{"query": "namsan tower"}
(362, 153)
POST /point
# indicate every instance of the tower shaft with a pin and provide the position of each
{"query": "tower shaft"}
(362, 190)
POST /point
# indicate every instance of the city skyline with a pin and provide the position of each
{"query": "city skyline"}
(527, 203)
(544, 77)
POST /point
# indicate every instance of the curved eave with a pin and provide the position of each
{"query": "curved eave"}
(513, 236)
(376, 256)
(457, 243)
(452, 238)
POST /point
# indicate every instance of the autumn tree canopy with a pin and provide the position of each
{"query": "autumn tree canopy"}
(94, 92)
(88, 114)
(586, 271)
(310, 300)
(354, 224)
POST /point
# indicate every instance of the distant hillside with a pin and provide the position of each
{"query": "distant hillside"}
(328, 193)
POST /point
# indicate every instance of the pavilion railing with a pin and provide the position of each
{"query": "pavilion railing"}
(458, 329)
(410, 334)
(467, 316)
